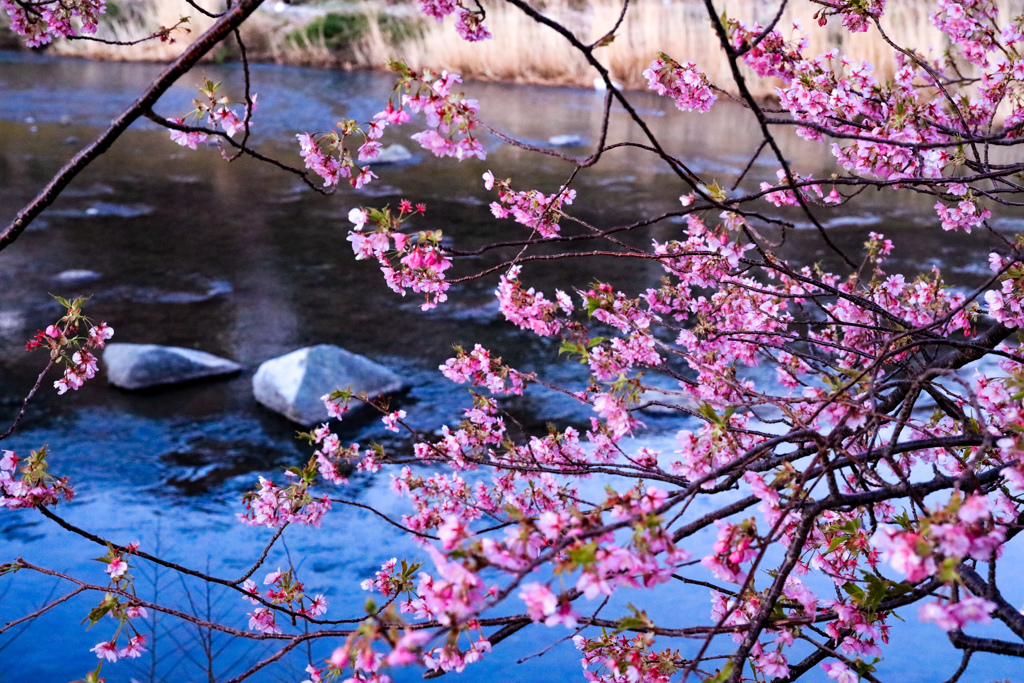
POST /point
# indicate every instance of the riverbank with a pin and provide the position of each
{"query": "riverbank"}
(364, 35)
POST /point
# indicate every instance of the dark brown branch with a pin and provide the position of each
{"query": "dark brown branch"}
(1004, 611)
(231, 20)
(24, 404)
(999, 647)
(42, 610)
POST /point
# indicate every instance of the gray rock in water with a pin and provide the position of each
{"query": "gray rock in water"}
(293, 384)
(666, 402)
(567, 140)
(140, 366)
(393, 154)
(77, 276)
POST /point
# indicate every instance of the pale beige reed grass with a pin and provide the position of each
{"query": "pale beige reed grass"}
(138, 19)
(524, 51)
(288, 46)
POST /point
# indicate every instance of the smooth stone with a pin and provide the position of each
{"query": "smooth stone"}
(601, 86)
(11, 322)
(393, 154)
(670, 400)
(140, 366)
(76, 276)
(293, 384)
(568, 140)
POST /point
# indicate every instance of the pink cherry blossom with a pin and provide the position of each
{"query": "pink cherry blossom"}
(107, 651)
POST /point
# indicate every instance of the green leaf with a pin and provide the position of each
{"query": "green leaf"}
(716, 191)
(709, 412)
(584, 555)
(878, 589)
(836, 542)
(862, 667)
(638, 621)
(91, 677)
(630, 624)
(722, 675)
(97, 613)
(855, 592)
(573, 348)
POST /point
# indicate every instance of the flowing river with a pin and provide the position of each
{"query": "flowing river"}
(241, 260)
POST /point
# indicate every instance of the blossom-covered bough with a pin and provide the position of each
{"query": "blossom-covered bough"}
(868, 472)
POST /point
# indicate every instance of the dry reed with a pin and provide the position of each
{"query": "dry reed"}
(135, 20)
(524, 51)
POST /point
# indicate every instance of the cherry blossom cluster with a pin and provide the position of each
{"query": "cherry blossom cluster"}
(68, 348)
(856, 14)
(953, 616)
(41, 22)
(284, 590)
(811, 192)
(842, 98)
(736, 545)
(860, 468)
(330, 158)
(220, 112)
(772, 55)
(274, 506)
(619, 659)
(837, 544)
(531, 208)
(970, 25)
(1006, 304)
(389, 581)
(109, 651)
(529, 309)
(364, 662)
(451, 116)
(688, 87)
(964, 216)
(963, 530)
(332, 458)
(479, 368)
(31, 485)
(481, 430)
(856, 627)
(468, 22)
(544, 605)
(122, 610)
(409, 262)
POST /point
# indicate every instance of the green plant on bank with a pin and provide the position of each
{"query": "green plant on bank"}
(339, 33)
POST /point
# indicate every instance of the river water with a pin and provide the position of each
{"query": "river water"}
(242, 261)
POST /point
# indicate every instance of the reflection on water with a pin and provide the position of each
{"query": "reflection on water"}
(178, 247)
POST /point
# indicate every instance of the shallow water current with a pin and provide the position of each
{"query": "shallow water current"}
(241, 260)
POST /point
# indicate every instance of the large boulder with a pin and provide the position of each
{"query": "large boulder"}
(666, 402)
(567, 140)
(76, 276)
(393, 154)
(140, 366)
(293, 384)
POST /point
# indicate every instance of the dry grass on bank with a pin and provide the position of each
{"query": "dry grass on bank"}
(522, 50)
(128, 21)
